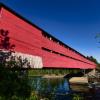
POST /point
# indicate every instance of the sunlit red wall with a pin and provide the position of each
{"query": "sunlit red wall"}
(29, 39)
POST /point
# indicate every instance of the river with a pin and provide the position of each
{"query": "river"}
(60, 89)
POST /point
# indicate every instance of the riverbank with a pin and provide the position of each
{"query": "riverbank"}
(53, 76)
(51, 72)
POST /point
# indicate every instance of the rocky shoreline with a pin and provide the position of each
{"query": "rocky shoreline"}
(79, 80)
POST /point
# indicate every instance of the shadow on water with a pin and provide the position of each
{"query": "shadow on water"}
(59, 89)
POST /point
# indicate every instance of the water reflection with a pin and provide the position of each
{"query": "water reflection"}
(54, 89)
(59, 89)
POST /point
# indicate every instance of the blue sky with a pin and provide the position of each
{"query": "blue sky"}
(75, 22)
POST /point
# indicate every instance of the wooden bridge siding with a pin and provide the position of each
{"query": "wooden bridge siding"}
(28, 39)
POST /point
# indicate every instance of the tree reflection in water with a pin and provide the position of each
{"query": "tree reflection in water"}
(54, 89)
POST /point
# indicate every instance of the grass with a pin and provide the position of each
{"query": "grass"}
(40, 72)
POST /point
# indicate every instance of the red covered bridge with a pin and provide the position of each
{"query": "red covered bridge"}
(39, 47)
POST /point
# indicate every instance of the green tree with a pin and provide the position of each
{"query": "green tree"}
(92, 59)
(13, 78)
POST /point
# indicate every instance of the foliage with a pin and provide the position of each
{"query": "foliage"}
(95, 61)
(13, 78)
(77, 97)
(92, 59)
(35, 72)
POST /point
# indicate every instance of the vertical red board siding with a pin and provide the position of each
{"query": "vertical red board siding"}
(29, 39)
